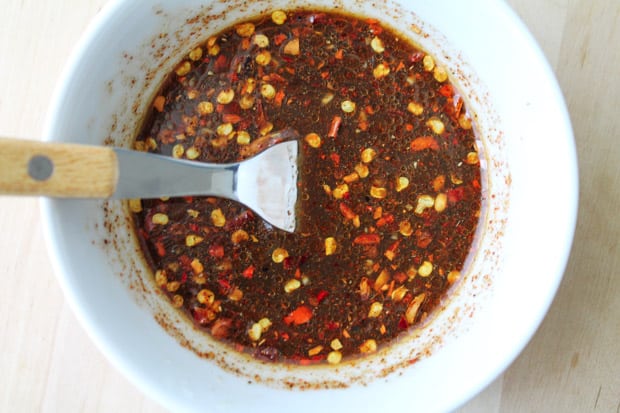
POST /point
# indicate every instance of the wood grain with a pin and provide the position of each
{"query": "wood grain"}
(571, 365)
(73, 171)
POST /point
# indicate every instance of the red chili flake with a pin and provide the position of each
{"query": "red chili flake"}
(300, 315)
(446, 90)
(399, 67)
(279, 97)
(402, 323)
(202, 315)
(424, 142)
(231, 118)
(216, 251)
(221, 327)
(416, 57)
(279, 38)
(194, 227)
(221, 64)
(321, 295)
(367, 239)
(456, 194)
(333, 325)
(346, 211)
(248, 272)
(385, 220)
(335, 158)
(225, 286)
(161, 250)
(338, 54)
(239, 220)
(335, 125)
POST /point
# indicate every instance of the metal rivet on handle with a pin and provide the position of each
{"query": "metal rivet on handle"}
(40, 167)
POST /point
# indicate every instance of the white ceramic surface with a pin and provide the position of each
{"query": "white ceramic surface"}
(531, 202)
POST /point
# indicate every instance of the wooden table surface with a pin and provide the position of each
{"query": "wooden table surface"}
(47, 363)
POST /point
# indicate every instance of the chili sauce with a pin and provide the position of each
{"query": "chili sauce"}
(389, 187)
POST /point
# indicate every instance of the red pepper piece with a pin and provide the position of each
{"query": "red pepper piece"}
(216, 251)
(424, 142)
(300, 315)
(334, 126)
(367, 239)
(249, 272)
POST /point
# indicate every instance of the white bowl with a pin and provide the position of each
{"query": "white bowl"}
(522, 247)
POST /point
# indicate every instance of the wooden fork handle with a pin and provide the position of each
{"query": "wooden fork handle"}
(56, 169)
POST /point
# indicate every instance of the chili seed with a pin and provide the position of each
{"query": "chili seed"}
(195, 54)
(255, 332)
(375, 309)
(261, 40)
(225, 96)
(183, 68)
(225, 129)
(328, 97)
(243, 138)
(265, 323)
(440, 74)
(268, 91)
(347, 106)
(278, 255)
(381, 71)
(436, 125)
(335, 344)
(362, 170)
(455, 179)
(192, 94)
(178, 151)
(424, 202)
(402, 183)
(334, 357)
(453, 276)
(413, 308)
(217, 218)
(465, 122)
(292, 285)
(192, 153)
(161, 279)
(330, 246)
(263, 58)
(278, 17)
(173, 286)
(368, 346)
(265, 128)
(378, 192)
(239, 236)
(365, 288)
(313, 139)
(315, 350)
(197, 266)
(429, 63)
(399, 293)
(441, 201)
(245, 29)
(192, 240)
(415, 108)
(368, 155)
(352, 177)
(205, 297)
(193, 213)
(159, 103)
(135, 205)
(377, 45)
(159, 219)
(381, 283)
(472, 158)
(340, 191)
(177, 301)
(405, 228)
(235, 295)
(246, 102)
(292, 47)
(214, 50)
(205, 108)
(425, 269)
